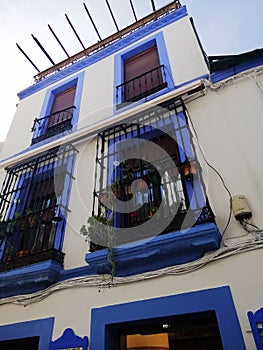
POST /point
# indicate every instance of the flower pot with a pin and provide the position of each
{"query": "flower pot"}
(189, 170)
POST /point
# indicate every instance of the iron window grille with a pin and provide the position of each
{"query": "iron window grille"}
(33, 207)
(61, 121)
(149, 162)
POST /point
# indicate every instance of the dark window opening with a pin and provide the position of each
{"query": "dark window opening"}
(143, 75)
(196, 331)
(150, 164)
(33, 205)
(20, 344)
(60, 117)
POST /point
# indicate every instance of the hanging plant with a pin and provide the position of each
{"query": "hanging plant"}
(100, 231)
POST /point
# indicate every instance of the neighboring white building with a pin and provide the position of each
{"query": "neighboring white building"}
(160, 147)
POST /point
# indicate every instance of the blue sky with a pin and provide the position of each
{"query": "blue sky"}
(224, 27)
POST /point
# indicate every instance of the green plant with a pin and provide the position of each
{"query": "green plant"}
(7, 228)
(153, 210)
(100, 231)
(115, 186)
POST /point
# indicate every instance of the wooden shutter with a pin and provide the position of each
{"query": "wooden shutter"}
(137, 80)
(62, 101)
(141, 63)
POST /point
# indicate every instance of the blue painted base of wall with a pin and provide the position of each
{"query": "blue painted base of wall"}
(133, 258)
(161, 251)
(29, 279)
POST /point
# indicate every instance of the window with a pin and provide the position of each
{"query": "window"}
(143, 75)
(60, 118)
(142, 71)
(147, 178)
(33, 205)
(60, 110)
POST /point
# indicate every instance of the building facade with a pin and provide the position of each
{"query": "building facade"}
(131, 208)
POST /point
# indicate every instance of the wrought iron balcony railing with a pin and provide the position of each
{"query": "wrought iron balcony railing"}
(141, 86)
(149, 163)
(29, 238)
(52, 124)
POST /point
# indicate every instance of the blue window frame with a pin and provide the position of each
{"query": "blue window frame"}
(153, 150)
(108, 322)
(162, 73)
(33, 206)
(149, 202)
(41, 329)
(62, 120)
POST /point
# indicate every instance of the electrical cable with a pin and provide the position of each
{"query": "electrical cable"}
(106, 281)
(255, 226)
(215, 170)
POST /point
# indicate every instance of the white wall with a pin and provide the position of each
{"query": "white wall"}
(229, 125)
(72, 307)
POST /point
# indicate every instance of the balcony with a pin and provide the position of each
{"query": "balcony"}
(29, 239)
(141, 86)
(53, 124)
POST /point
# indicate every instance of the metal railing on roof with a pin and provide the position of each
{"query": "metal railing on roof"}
(102, 42)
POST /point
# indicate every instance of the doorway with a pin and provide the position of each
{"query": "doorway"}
(20, 344)
(195, 331)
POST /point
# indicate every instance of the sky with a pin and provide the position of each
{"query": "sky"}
(224, 27)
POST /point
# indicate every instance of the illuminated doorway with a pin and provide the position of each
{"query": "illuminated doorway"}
(195, 331)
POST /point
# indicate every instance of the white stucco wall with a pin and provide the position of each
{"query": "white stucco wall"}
(228, 122)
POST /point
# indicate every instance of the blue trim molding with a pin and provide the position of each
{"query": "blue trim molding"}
(69, 340)
(216, 299)
(42, 328)
(235, 69)
(161, 251)
(29, 279)
(107, 51)
(256, 323)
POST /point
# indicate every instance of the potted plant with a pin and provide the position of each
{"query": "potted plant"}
(115, 187)
(7, 229)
